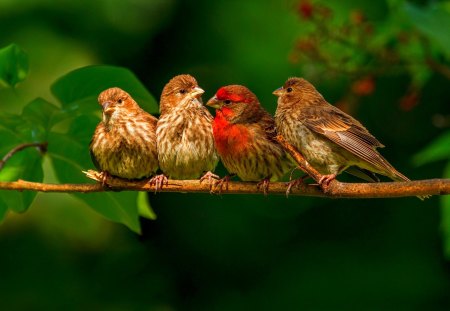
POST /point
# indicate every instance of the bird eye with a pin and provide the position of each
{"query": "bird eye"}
(227, 102)
(289, 89)
(182, 91)
(120, 101)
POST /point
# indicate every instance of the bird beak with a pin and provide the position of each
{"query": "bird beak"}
(214, 102)
(197, 92)
(278, 92)
(106, 106)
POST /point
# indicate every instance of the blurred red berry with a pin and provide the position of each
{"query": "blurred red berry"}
(357, 17)
(306, 9)
(306, 45)
(410, 100)
(364, 86)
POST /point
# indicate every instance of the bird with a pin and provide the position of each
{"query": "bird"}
(329, 139)
(124, 142)
(184, 132)
(244, 136)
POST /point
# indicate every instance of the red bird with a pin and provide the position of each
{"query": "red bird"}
(124, 142)
(184, 132)
(244, 135)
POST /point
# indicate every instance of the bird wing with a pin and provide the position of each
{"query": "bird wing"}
(346, 132)
(93, 158)
(268, 124)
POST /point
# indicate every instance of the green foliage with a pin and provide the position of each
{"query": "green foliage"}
(433, 21)
(438, 149)
(3, 209)
(234, 252)
(13, 65)
(27, 164)
(79, 89)
(445, 217)
(68, 131)
(144, 208)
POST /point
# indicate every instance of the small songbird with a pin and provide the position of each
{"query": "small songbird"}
(244, 135)
(184, 132)
(329, 139)
(124, 142)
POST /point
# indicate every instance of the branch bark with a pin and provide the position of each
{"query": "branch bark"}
(338, 190)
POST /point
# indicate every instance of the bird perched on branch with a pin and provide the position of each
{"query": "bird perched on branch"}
(329, 139)
(244, 135)
(124, 142)
(184, 132)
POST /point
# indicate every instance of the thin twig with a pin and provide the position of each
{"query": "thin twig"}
(298, 157)
(42, 147)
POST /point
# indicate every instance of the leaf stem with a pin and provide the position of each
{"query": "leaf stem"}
(42, 148)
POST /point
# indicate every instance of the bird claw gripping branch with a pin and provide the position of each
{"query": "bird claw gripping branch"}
(264, 185)
(210, 177)
(159, 181)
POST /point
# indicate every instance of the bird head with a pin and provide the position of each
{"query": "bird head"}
(181, 91)
(236, 103)
(115, 103)
(297, 91)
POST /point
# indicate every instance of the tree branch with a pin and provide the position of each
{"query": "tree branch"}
(42, 147)
(338, 190)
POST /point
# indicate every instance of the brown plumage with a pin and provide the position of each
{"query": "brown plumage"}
(184, 131)
(244, 135)
(329, 139)
(124, 142)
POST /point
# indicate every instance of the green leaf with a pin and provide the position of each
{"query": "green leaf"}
(13, 65)
(26, 165)
(445, 216)
(144, 208)
(42, 116)
(69, 154)
(13, 131)
(116, 206)
(433, 21)
(439, 149)
(82, 86)
(3, 210)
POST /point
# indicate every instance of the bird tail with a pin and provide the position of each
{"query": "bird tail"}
(397, 176)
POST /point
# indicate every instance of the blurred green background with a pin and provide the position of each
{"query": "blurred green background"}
(235, 252)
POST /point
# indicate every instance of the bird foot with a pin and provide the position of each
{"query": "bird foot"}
(295, 183)
(104, 175)
(159, 181)
(210, 177)
(220, 183)
(264, 185)
(325, 180)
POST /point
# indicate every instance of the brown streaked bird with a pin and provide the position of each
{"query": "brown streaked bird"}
(124, 142)
(184, 132)
(329, 139)
(244, 135)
